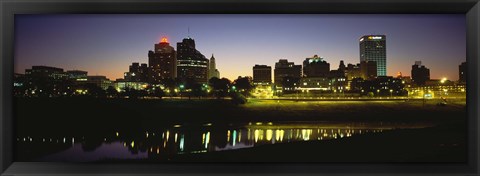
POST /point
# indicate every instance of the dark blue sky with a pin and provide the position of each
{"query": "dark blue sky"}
(108, 44)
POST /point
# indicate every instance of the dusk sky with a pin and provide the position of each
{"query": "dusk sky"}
(108, 44)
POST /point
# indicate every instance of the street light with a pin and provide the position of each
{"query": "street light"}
(443, 80)
(391, 91)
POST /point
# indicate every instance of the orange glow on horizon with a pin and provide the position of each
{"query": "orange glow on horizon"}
(164, 40)
(399, 74)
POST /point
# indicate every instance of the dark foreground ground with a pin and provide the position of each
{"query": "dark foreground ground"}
(446, 142)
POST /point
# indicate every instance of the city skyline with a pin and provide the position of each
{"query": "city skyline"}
(92, 39)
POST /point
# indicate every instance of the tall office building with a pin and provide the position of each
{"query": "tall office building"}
(191, 64)
(283, 69)
(262, 75)
(162, 62)
(373, 48)
(462, 72)
(212, 69)
(420, 74)
(315, 67)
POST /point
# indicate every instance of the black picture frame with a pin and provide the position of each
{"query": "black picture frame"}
(8, 9)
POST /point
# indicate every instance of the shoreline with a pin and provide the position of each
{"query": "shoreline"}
(94, 117)
(401, 145)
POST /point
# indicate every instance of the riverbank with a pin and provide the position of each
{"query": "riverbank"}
(98, 118)
(81, 116)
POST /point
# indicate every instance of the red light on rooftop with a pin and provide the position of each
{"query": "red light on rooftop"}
(164, 40)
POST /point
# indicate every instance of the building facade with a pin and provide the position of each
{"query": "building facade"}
(373, 48)
(353, 71)
(315, 67)
(100, 81)
(46, 72)
(191, 64)
(46, 81)
(262, 75)
(420, 73)
(122, 85)
(137, 72)
(380, 86)
(340, 72)
(284, 69)
(162, 62)
(368, 70)
(314, 84)
(77, 74)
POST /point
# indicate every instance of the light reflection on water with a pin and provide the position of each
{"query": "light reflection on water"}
(184, 139)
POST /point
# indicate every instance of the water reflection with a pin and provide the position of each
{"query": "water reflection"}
(77, 152)
(187, 139)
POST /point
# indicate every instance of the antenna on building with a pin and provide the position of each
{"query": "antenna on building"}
(188, 32)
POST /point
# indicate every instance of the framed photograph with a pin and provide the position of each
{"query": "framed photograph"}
(225, 87)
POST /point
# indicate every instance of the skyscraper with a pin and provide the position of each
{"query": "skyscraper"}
(262, 75)
(420, 74)
(212, 69)
(162, 62)
(315, 67)
(191, 64)
(373, 48)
